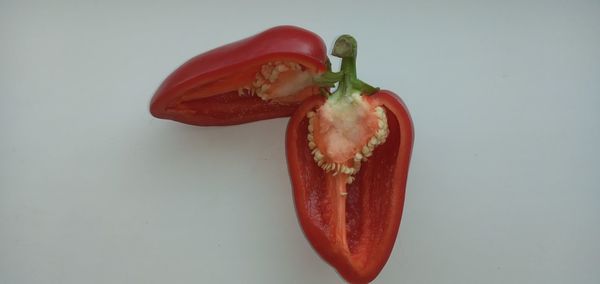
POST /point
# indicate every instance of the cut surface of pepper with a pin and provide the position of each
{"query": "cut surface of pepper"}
(264, 76)
(348, 156)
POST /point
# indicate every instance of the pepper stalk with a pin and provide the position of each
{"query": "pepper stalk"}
(345, 47)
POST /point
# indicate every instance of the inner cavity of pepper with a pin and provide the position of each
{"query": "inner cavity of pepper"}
(342, 134)
(280, 82)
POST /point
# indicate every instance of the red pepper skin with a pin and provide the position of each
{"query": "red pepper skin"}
(203, 91)
(375, 199)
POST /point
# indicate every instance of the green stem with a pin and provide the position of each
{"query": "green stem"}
(328, 79)
(345, 47)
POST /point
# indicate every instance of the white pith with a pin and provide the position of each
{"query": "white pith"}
(348, 110)
(267, 76)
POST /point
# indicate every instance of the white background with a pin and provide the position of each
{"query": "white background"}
(504, 185)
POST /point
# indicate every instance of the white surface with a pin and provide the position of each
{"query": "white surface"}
(505, 179)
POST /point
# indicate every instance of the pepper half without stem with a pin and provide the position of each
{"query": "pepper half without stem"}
(264, 76)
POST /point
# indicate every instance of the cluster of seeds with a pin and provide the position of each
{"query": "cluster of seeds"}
(350, 167)
(267, 75)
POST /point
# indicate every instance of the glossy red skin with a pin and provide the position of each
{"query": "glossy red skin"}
(375, 199)
(228, 108)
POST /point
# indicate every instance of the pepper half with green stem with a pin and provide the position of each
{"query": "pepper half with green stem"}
(348, 156)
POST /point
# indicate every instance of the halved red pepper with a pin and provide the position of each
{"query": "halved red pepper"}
(348, 156)
(264, 76)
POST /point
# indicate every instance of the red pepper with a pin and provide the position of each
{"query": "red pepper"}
(348, 156)
(261, 77)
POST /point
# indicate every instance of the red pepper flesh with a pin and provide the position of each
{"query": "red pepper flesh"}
(204, 90)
